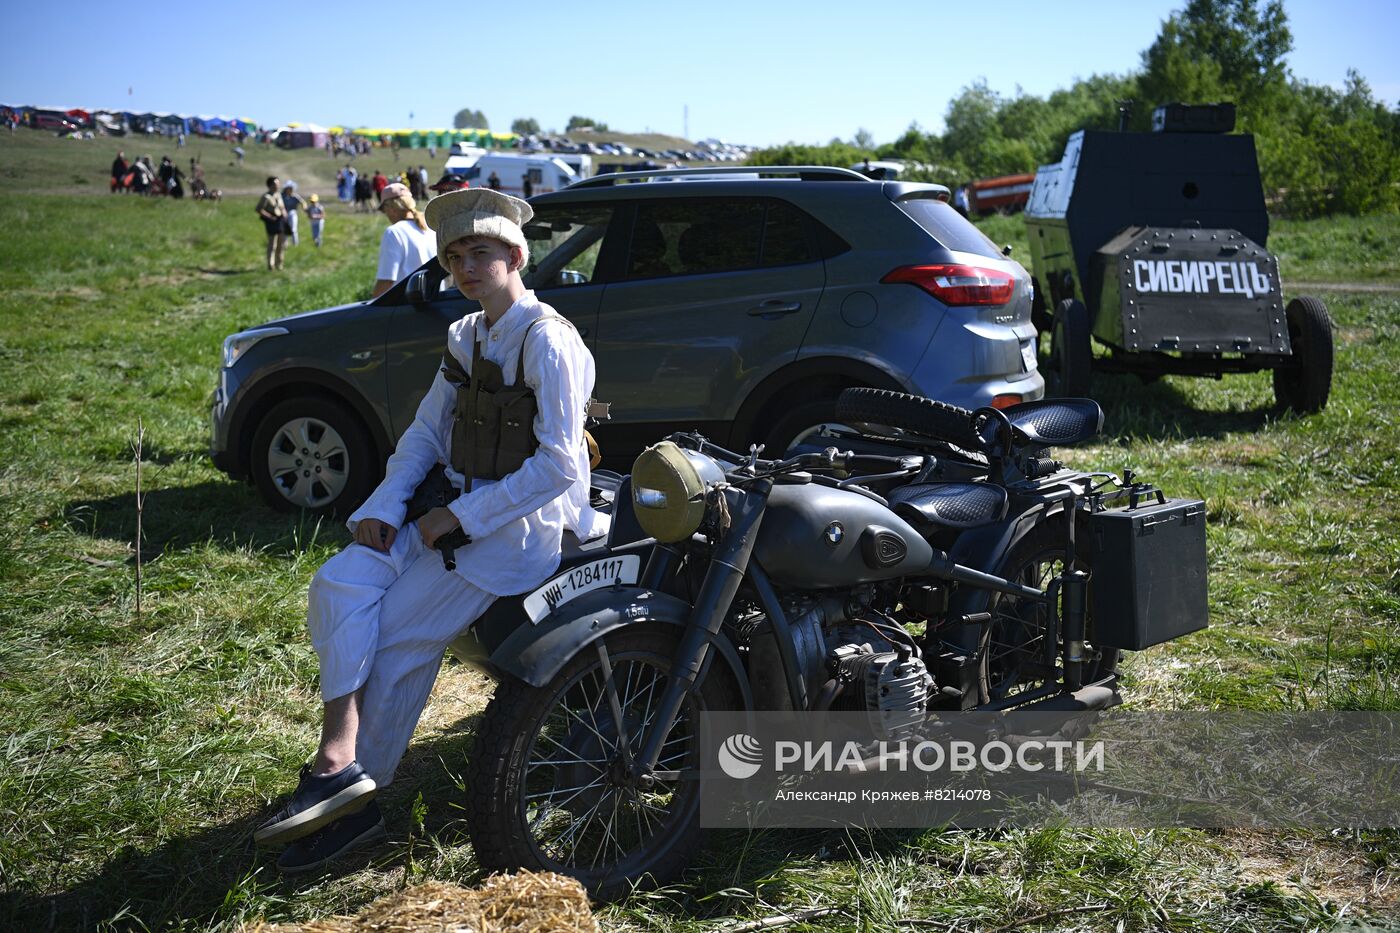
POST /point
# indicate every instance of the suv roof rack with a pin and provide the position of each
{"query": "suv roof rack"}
(800, 172)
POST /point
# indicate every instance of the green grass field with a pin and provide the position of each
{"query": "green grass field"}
(141, 748)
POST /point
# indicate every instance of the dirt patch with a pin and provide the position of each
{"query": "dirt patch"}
(459, 692)
(1339, 872)
(522, 903)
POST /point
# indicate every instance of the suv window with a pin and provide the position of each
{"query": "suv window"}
(949, 227)
(565, 241)
(694, 236)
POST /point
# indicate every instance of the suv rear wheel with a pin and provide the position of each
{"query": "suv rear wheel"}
(312, 453)
(799, 424)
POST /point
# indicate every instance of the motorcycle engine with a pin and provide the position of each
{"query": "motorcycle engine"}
(877, 675)
(883, 678)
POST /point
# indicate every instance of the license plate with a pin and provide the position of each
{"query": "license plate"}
(1028, 355)
(580, 579)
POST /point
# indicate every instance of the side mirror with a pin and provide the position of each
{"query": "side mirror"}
(570, 277)
(416, 291)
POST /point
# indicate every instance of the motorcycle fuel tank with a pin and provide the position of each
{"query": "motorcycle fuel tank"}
(815, 537)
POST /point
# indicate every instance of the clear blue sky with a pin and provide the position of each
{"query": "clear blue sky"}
(760, 73)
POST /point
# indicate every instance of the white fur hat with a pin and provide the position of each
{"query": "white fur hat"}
(477, 212)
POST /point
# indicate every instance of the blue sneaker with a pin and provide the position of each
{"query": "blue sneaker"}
(343, 835)
(318, 800)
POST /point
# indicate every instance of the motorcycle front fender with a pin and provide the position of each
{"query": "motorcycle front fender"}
(506, 644)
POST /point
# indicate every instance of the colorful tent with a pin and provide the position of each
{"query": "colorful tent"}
(303, 136)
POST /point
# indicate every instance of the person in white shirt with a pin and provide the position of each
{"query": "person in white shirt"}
(407, 242)
(382, 612)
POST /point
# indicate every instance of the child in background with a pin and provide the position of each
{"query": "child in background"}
(317, 215)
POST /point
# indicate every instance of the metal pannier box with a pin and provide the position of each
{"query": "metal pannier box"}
(1149, 573)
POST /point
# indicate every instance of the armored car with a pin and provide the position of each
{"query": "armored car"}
(1153, 245)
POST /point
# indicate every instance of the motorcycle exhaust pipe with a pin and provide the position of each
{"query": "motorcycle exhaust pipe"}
(1092, 697)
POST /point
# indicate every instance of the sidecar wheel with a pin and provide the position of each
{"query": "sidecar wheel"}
(1013, 661)
(543, 790)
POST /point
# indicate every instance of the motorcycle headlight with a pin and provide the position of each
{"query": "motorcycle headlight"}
(235, 345)
(668, 490)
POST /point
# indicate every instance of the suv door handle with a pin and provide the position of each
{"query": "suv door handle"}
(774, 307)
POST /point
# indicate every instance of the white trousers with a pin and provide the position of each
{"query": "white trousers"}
(383, 621)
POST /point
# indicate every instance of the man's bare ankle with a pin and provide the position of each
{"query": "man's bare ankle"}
(324, 765)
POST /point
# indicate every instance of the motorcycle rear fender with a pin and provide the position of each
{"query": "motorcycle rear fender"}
(983, 548)
(534, 653)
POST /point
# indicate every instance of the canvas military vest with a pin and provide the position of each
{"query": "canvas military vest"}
(493, 426)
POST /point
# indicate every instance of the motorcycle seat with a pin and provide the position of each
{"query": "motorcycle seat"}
(574, 550)
(949, 505)
(1057, 422)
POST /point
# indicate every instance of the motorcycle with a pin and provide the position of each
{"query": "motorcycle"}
(927, 559)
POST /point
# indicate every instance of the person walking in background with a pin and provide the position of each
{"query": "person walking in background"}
(527, 186)
(494, 181)
(450, 182)
(317, 215)
(273, 212)
(141, 175)
(342, 186)
(415, 184)
(363, 191)
(293, 202)
(379, 182)
(406, 244)
(119, 168)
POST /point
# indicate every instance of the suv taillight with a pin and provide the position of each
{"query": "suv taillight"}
(958, 285)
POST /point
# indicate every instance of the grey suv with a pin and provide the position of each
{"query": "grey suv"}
(736, 300)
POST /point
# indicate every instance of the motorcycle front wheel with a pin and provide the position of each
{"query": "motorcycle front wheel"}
(545, 785)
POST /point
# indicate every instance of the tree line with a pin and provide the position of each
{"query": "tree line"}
(1321, 150)
(468, 118)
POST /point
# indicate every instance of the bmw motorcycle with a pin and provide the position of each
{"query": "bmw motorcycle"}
(927, 559)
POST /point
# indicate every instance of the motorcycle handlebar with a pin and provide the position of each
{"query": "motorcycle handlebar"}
(830, 459)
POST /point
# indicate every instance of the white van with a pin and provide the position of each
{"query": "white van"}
(547, 173)
(880, 169)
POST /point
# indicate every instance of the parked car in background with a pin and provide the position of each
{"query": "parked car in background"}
(55, 122)
(1004, 194)
(741, 308)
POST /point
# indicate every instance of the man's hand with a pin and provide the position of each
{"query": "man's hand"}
(371, 532)
(436, 523)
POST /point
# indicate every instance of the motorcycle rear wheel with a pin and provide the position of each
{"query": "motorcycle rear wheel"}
(1013, 660)
(544, 791)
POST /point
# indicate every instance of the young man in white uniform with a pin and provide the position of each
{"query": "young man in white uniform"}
(382, 612)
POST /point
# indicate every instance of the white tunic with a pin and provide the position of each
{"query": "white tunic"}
(516, 524)
(382, 621)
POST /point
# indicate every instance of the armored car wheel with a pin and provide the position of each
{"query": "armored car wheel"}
(1305, 382)
(546, 786)
(1014, 661)
(1071, 356)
